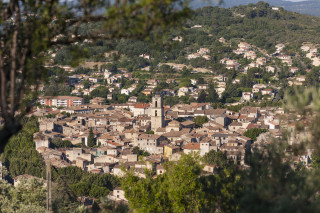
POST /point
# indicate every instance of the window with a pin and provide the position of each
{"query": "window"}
(156, 113)
(156, 104)
(117, 196)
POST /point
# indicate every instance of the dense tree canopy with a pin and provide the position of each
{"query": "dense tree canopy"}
(100, 91)
(215, 158)
(20, 155)
(26, 197)
(270, 185)
(177, 190)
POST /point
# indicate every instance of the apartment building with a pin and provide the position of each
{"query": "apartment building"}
(61, 101)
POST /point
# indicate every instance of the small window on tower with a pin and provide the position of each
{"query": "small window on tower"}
(156, 113)
(156, 104)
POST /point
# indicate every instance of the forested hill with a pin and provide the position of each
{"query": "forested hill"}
(309, 7)
(259, 24)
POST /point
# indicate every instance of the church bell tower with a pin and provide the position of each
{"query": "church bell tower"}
(157, 113)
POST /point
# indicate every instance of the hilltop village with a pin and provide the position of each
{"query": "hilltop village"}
(161, 131)
(133, 108)
(138, 135)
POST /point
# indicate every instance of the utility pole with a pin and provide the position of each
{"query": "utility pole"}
(49, 186)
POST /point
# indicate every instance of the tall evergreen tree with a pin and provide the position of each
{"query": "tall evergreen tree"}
(213, 96)
(202, 97)
(91, 139)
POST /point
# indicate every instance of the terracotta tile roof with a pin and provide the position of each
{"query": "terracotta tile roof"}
(236, 124)
(141, 106)
(114, 143)
(192, 146)
(251, 126)
(173, 134)
(187, 123)
(242, 117)
(174, 122)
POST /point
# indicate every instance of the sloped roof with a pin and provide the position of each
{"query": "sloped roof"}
(193, 146)
(141, 106)
(187, 123)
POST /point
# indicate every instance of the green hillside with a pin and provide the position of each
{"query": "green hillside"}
(255, 23)
(259, 24)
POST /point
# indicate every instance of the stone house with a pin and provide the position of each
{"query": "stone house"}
(191, 147)
(150, 143)
(117, 195)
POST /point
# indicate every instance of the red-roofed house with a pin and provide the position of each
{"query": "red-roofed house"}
(140, 109)
(267, 92)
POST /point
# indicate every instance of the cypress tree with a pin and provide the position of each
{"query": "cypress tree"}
(91, 139)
